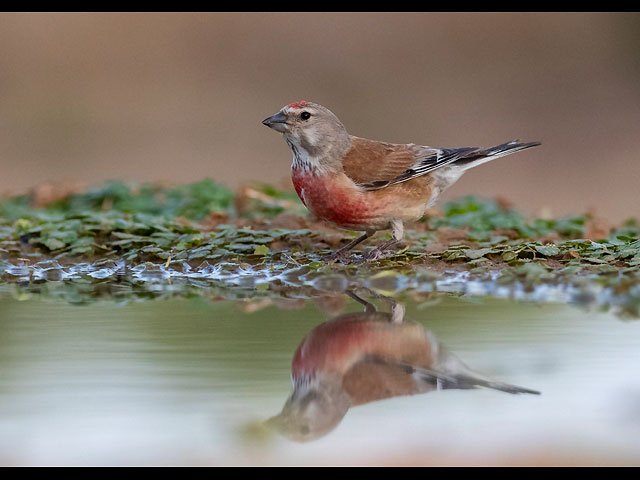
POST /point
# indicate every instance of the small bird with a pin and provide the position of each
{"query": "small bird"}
(357, 358)
(367, 185)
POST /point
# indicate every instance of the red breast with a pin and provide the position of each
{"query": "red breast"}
(335, 346)
(335, 199)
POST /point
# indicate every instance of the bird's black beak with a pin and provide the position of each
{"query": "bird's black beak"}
(278, 122)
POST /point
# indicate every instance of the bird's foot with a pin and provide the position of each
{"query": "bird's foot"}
(338, 256)
(342, 254)
(379, 253)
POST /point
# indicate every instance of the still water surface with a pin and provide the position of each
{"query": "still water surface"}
(180, 381)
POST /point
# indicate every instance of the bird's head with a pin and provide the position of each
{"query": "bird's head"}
(314, 408)
(311, 131)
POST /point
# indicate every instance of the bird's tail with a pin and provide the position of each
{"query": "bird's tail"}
(468, 381)
(479, 157)
(447, 381)
(460, 376)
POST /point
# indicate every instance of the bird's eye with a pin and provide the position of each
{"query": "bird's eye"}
(305, 115)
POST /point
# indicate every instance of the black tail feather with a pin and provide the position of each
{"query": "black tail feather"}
(497, 151)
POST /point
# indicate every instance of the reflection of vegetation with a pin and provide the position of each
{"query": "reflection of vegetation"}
(262, 238)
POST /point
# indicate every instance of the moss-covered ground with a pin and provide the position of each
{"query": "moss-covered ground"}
(259, 236)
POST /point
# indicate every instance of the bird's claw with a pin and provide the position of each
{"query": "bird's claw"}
(342, 257)
(377, 254)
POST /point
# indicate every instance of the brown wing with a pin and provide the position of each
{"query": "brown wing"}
(370, 161)
(367, 382)
(375, 378)
(375, 165)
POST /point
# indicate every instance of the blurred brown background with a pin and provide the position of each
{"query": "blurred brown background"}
(181, 97)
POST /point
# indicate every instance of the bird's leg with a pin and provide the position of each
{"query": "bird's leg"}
(397, 309)
(397, 313)
(379, 252)
(340, 253)
(368, 306)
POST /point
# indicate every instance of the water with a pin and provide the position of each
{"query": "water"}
(177, 380)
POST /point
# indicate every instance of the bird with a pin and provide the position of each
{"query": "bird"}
(369, 185)
(361, 357)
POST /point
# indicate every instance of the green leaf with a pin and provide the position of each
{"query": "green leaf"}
(549, 250)
(261, 250)
(473, 254)
(54, 244)
(509, 256)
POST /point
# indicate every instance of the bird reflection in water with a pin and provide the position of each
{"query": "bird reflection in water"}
(357, 358)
